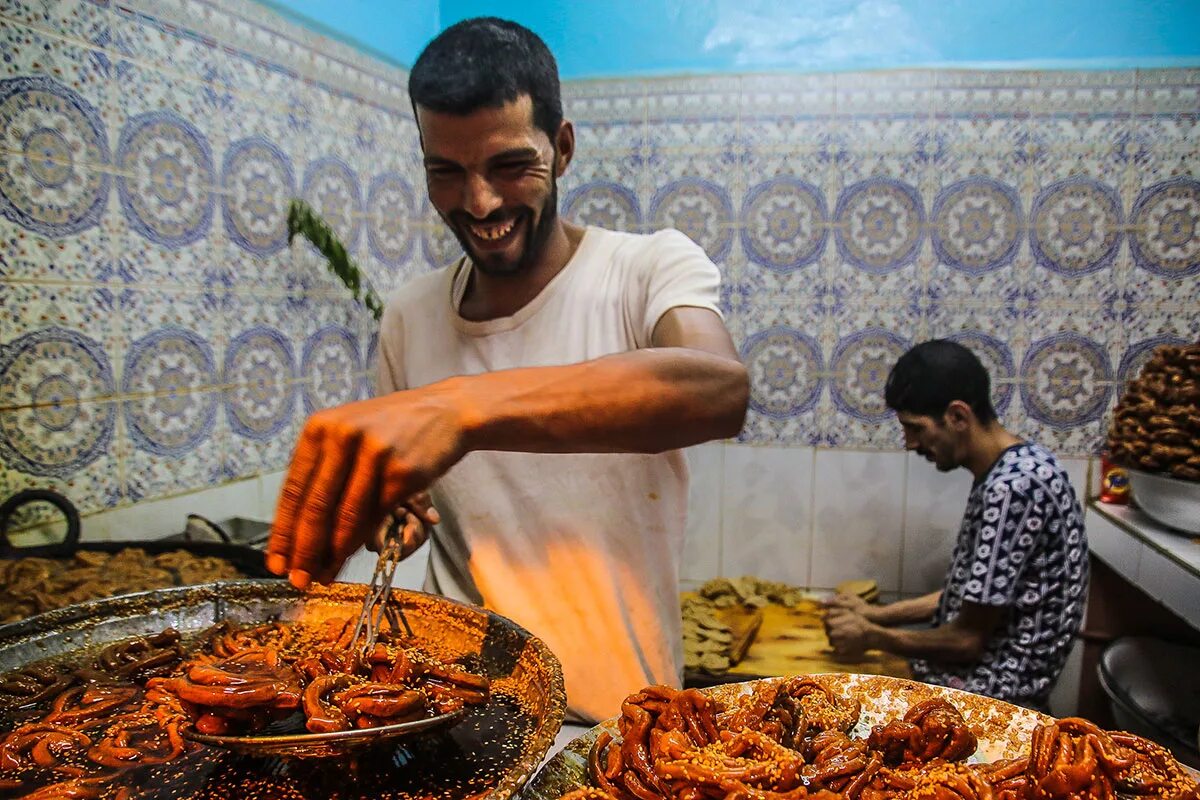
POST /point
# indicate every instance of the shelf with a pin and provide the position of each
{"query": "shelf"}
(1162, 563)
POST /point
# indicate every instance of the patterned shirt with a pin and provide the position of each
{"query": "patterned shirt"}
(1022, 546)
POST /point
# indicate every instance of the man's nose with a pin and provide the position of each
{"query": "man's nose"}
(910, 443)
(480, 198)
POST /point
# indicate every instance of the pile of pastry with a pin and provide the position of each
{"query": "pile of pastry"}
(1156, 424)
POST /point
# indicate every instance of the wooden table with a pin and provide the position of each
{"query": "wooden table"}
(791, 641)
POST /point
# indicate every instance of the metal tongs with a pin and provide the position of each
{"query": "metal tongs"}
(377, 608)
(376, 603)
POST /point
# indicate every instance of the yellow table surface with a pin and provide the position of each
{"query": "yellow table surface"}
(791, 641)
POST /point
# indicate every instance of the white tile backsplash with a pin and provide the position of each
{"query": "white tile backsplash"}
(766, 521)
(702, 547)
(155, 519)
(1077, 471)
(1111, 544)
(269, 486)
(933, 508)
(858, 518)
(1170, 583)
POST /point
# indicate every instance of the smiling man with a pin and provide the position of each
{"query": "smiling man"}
(1013, 597)
(540, 388)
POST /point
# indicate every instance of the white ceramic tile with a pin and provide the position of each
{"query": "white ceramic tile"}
(1064, 697)
(702, 547)
(269, 486)
(857, 529)
(1170, 584)
(1095, 477)
(766, 525)
(1113, 545)
(158, 518)
(1077, 471)
(933, 509)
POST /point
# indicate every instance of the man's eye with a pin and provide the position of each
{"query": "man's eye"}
(512, 167)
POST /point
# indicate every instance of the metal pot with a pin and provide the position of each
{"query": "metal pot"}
(518, 664)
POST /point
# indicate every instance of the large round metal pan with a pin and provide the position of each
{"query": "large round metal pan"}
(490, 754)
(1003, 729)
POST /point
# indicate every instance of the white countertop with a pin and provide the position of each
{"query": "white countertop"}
(1161, 562)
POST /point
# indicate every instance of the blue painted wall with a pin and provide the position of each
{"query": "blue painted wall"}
(606, 38)
(394, 30)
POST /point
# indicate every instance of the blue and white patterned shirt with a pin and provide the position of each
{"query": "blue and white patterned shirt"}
(1022, 546)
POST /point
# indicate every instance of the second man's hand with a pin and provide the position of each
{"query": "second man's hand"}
(352, 466)
(849, 632)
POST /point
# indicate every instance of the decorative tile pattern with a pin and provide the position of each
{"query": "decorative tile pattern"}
(166, 174)
(47, 378)
(332, 189)
(390, 208)
(258, 182)
(168, 410)
(785, 371)
(1076, 226)
(1166, 225)
(699, 208)
(860, 366)
(260, 367)
(784, 224)
(880, 224)
(976, 224)
(605, 204)
(53, 148)
(1067, 380)
(1049, 220)
(330, 368)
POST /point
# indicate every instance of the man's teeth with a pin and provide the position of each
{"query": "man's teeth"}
(490, 233)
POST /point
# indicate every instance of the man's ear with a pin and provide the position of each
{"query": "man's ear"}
(958, 415)
(564, 147)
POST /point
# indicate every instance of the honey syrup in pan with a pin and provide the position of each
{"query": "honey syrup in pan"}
(456, 763)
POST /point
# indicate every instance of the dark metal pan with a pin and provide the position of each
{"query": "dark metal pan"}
(489, 755)
(248, 560)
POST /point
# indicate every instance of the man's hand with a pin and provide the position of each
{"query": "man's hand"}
(416, 516)
(849, 602)
(849, 632)
(353, 465)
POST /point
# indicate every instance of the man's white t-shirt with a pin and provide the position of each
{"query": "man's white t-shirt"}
(582, 550)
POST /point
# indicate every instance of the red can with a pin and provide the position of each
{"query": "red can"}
(1114, 483)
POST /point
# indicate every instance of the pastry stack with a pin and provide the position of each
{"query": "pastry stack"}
(1156, 424)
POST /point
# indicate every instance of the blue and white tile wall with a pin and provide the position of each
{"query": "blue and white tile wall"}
(157, 334)
(159, 337)
(1049, 220)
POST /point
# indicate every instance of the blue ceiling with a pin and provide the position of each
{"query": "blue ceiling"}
(607, 38)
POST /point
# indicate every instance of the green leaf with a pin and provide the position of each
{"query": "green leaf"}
(303, 220)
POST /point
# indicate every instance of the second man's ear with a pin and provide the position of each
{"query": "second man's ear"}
(958, 414)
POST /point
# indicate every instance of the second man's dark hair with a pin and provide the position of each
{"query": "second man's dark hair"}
(930, 376)
(487, 62)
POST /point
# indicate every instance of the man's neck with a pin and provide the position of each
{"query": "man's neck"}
(495, 296)
(986, 446)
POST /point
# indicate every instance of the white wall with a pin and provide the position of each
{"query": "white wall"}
(815, 517)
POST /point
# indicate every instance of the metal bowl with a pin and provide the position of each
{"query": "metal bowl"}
(1170, 501)
(1003, 729)
(508, 741)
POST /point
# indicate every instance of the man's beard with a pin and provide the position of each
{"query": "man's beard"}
(535, 240)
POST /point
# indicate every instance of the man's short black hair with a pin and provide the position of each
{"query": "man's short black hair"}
(487, 62)
(930, 376)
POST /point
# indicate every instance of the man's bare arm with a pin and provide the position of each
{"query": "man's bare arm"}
(356, 462)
